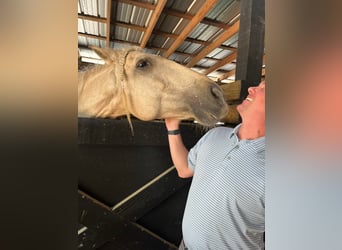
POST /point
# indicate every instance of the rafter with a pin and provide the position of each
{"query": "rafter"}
(226, 75)
(156, 13)
(161, 49)
(174, 36)
(161, 33)
(92, 36)
(92, 18)
(131, 26)
(192, 40)
(138, 4)
(221, 63)
(191, 25)
(216, 43)
(189, 17)
(109, 8)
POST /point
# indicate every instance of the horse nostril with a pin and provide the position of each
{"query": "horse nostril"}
(215, 91)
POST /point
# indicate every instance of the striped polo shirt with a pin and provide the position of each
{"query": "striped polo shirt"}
(225, 207)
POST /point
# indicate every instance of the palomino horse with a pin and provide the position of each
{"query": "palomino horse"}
(148, 87)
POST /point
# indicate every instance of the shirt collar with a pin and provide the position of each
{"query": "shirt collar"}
(258, 143)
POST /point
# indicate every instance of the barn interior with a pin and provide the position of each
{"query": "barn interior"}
(130, 196)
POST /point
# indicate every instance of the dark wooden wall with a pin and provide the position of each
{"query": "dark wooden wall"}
(115, 165)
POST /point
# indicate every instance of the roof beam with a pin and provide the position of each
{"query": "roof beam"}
(174, 36)
(161, 49)
(226, 75)
(232, 72)
(178, 14)
(191, 40)
(92, 18)
(92, 36)
(126, 42)
(131, 26)
(205, 43)
(192, 24)
(189, 17)
(109, 8)
(161, 33)
(216, 43)
(215, 23)
(138, 4)
(156, 13)
(221, 63)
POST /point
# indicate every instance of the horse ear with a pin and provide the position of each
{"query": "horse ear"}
(106, 54)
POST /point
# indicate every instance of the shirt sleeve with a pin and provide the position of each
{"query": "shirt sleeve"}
(192, 156)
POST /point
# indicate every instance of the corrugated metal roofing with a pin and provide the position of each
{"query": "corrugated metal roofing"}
(131, 19)
(206, 62)
(228, 67)
(232, 40)
(192, 48)
(219, 8)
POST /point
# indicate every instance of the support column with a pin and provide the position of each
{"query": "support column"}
(251, 44)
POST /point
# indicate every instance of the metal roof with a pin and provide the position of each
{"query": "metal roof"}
(156, 26)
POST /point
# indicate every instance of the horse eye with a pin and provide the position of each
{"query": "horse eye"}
(142, 64)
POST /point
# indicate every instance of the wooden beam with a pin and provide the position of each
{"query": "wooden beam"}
(216, 43)
(231, 91)
(228, 74)
(228, 48)
(92, 36)
(232, 72)
(221, 63)
(161, 33)
(189, 17)
(161, 49)
(205, 43)
(123, 233)
(109, 8)
(138, 4)
(207, 6)
(152, 23)
(126, 42)
(174, 36)
(92, 18)
(178, 14)
(215, 23)
(131, 26)
(192, 40)
(91, 132)
(152, 194)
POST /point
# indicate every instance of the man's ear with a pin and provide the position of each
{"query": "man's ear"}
(107, 54)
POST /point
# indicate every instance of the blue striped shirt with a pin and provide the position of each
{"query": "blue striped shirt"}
(225, 207)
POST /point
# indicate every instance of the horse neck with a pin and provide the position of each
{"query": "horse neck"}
(99, 93)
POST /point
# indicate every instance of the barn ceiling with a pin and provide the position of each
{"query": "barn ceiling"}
(202, 35)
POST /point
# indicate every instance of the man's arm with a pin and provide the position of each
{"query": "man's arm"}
(179, 152)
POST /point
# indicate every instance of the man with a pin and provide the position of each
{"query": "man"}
(225, 207)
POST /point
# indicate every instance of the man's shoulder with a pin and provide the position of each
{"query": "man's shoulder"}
(220, 130)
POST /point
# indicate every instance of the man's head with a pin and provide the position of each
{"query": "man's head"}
(252, 109)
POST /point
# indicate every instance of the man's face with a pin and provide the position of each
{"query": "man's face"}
(254, 104)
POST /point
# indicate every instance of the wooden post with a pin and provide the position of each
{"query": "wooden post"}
(251, 44)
